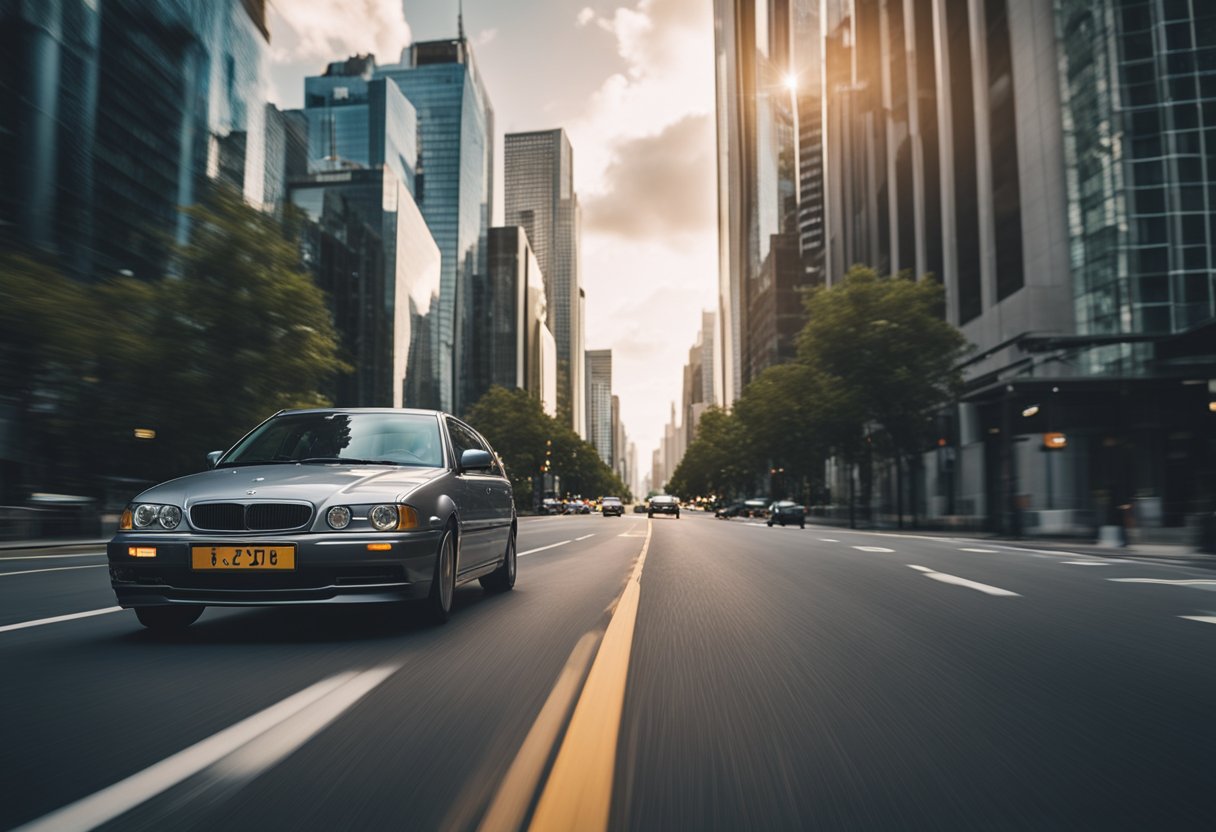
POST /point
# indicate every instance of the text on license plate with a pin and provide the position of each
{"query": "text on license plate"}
(243, 557)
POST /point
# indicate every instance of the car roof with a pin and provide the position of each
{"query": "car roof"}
(403, 410)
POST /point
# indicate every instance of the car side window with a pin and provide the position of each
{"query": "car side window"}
(463, 439)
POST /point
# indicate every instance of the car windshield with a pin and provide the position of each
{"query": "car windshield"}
(353, 438)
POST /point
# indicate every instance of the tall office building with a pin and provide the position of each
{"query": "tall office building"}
(540, 198)
(117, 114)
(599, 403)
(619, 442)
(514, 347)
(770, 195)
(1052, 168)
(454, 187)
(698, 390)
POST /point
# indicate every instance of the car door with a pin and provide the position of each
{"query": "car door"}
(502, 500)
(474, 500)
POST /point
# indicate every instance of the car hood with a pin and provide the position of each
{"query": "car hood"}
(314, 483)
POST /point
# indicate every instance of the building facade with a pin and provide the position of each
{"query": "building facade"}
(539, 196)
(1052, 167)
(454, 188)
(515, 348)
(600, 431)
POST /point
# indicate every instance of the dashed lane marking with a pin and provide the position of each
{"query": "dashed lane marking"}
(584, 537)
(872, 549)
(1166, 581)
(983, 551)
(54, 569)
(828, 540)
(56, 619)
(3, 558)
(1088, 562)
(1203, 619)
(955, 580)
(542, 548)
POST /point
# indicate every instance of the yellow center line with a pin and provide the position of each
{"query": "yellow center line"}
(578, 793)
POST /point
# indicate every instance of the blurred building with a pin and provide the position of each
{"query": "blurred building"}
(698, 388)
(118, 112)
(620, 462)
(599, 403)
(514, 347)
(1053, 168)
(770, 181)
(366, 241)
(454, 187)
(539, 196)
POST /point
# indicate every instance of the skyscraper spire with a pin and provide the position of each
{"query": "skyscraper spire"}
(460, 19)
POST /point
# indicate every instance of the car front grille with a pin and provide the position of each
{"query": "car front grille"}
(258, 517)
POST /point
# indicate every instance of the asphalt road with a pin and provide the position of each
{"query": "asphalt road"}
(735, 677)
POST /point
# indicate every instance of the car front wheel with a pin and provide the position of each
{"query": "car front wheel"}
(443, 584)
(168, 619)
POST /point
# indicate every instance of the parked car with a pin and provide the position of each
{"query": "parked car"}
(611, 507)
(727, 510)
(787, 513)
(663, 504)
(552, 505)
(321, 506)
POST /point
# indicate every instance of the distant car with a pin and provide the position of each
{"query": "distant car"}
(663, 504)
(580, 507)
(727, 510)
(321, 506)
(611, 506)
(551, 505)
(755, 507)
(787, 513)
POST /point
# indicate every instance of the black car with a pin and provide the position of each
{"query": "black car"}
(755, 507)
(611, 506)
(663, 504)
(727, 510)
(319, 507)
(787, 513)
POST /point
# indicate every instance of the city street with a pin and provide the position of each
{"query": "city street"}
(761, 678)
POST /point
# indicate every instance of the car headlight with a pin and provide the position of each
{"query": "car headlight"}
(387, 518)
(145, 515)
(169, 516)
(338, 517)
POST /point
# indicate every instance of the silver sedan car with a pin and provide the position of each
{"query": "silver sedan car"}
(322, 506)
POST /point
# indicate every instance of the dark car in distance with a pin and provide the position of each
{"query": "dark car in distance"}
(663, 504)
(321, 506)
(787, 513)
(727, 510)
(611, 506)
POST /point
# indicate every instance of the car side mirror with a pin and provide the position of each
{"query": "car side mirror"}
(476, 460)
(213, 458)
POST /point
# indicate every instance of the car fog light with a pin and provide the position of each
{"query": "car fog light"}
(170, 516)
(338, 517)
(145, 515)
(383, 518)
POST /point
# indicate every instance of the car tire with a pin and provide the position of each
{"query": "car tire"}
(649, 516)
(770, 524)
(443, 583)
(502, 579)
(169, 619)
(802, 525)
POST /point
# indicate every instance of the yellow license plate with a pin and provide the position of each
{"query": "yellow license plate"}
(243, 558)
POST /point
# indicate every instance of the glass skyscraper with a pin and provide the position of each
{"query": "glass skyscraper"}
(540, 198)
(453, 186)
(599, 404)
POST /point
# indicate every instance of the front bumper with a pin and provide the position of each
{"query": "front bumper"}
(331, 568)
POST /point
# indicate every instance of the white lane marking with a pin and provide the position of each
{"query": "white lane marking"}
(3, 558)
(1166, 581)
(984, 551)
(57, 618)
(872, 549)
(542, 548)
(1088, 562)
(829, 540)
(630, 534)
(55, 569)
(112, 801)
(1205, 619)
(584, 537)
(964, 582)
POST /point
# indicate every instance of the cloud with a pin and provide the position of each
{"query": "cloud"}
(586, 16)
(658, 186)
(327, 29)
(485, 36)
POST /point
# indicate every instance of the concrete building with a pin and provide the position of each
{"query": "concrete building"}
(698, 389)
(1047, 166)
(539, 196)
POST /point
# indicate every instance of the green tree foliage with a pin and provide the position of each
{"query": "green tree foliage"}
(199, 357)
(518, 428)
(719, 461)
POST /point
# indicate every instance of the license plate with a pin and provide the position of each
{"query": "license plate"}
(243, 558)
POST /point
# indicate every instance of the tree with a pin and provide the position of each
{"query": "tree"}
(719, 461)
(885, 353)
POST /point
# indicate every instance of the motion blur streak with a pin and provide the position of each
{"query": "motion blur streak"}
(334, 695)
(578, 794)
(57, 618)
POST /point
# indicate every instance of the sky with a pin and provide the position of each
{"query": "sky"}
(632, 84)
